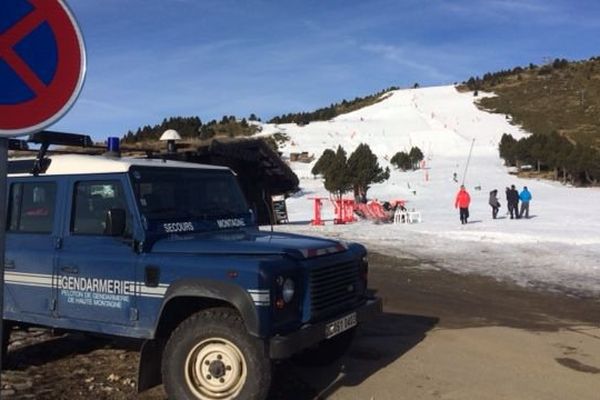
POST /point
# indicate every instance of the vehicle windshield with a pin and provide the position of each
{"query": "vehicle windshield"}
(177, 194)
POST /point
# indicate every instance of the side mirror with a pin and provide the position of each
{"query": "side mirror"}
(115, 222)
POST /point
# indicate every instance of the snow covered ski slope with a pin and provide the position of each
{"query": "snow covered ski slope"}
(559, 247)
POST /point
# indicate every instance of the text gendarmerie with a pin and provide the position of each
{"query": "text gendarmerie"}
(111, 286)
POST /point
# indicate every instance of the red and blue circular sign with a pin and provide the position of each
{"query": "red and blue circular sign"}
(42, 64)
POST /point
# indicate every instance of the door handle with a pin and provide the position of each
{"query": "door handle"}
(70, 270)
(152, 276)
(9, 264)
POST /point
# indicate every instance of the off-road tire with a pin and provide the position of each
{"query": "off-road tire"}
(214, 343)
(326, 352)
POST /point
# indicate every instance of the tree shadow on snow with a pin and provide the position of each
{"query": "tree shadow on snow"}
(377, 344)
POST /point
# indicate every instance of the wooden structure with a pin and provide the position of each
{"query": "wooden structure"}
(280, 215)
(260, 170)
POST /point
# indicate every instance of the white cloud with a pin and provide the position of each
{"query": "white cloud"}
(420, 60)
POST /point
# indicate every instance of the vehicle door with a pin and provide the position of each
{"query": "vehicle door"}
(95, 274)
(30, 248)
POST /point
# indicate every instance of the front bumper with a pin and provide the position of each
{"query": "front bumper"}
(311, 334)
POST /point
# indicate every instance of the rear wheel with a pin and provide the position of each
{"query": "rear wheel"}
(326, 352)
(210, 356)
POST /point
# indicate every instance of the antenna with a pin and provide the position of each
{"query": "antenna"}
(269, 208)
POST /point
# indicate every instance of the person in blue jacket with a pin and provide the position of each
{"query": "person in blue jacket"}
(525, 197)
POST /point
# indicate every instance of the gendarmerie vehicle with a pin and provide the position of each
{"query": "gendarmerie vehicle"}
(169, 253)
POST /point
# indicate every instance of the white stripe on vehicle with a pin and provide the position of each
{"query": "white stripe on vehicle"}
(260, 297)
(46, 281)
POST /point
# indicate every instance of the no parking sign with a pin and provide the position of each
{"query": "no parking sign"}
(42, 64)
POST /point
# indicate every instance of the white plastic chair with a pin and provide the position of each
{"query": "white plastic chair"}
(414, 216)
(400, 217)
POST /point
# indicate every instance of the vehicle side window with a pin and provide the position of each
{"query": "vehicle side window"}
(31, 207)
(91, 202)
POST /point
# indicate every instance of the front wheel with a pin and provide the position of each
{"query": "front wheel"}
(210, 356)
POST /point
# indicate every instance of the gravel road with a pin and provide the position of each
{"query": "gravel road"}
(441, 336)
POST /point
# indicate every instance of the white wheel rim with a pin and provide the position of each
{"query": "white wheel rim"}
(215, 369)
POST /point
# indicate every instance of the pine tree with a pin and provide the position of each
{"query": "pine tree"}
(506, 148)
(337, 177)
(323, 163)
(539, 151)
(401, 160)
(364, 169)
(416, 156)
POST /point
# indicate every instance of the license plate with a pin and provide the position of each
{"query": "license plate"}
(340, 325)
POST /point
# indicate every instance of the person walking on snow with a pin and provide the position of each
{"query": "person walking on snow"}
(525, 197)
(512, 199)
(462, 203)
(494, 203)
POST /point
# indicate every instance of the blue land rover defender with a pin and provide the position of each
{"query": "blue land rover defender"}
(168, 252)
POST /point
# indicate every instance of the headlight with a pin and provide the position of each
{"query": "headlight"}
(288, 290)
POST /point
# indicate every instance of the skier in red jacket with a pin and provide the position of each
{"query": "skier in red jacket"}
(462, 202)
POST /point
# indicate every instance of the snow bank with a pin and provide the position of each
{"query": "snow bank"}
(558, 247)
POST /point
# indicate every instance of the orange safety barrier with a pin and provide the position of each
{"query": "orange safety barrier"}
(348, 214)
(344, 211)
(318, 204)
(364, 210)
(377, 210)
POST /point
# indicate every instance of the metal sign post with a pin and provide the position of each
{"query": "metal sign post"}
(3, 173)
(43, 54)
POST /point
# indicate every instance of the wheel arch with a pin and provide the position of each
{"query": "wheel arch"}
(192, 295)
(181, 300)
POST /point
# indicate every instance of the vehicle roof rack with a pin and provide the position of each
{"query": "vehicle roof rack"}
(47, 138)
(61, 139)
(18, 145)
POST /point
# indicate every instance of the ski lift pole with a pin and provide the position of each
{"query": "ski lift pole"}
(468, 160)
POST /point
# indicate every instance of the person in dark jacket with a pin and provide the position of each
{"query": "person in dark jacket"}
(494, 203)
(525, 197)
(512, 200)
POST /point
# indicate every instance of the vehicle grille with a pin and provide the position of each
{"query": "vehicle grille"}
(333, 287)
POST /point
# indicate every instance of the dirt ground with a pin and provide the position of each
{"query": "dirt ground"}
(441, 336)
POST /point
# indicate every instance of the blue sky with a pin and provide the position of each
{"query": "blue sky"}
(151, 59)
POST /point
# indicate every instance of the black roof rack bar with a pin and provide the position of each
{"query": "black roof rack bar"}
(47, 138)
(61, 139)
(74, 140)
(16, 144)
